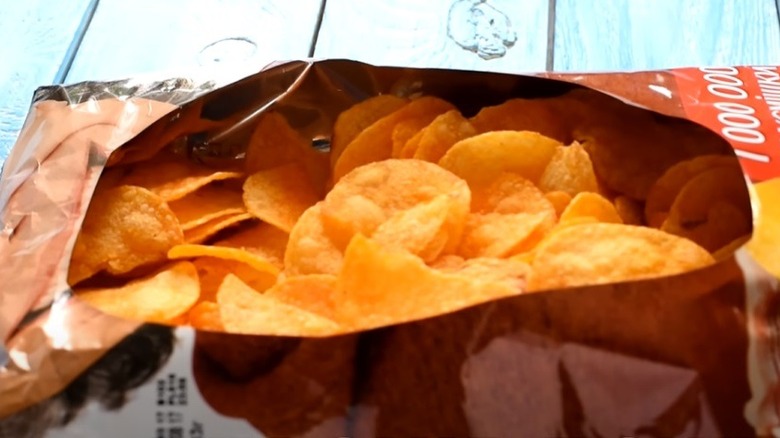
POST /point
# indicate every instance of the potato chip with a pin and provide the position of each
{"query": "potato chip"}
(262, 239)
(212, 270)
(629, 210)
(375, 143)
(279, 196)
(493, 268)
(274, 143)
(172, 177)
(766, 234)
(479, 159)
(501, 235)
(510, 193)
(207, 203)
(246, 311)
(605, 253)
(439, 136)
(730, 248)
(368, 196)
(559, 201)
(410, 148)
(125, 227)
(545, 116)
(159, 297)
(570, 171)
(719, 184)
(360, 116)
(587, 204)
(724, 223)
(419, 230)
(201, 233)
(405, 130)
(663, 193)
(205, 316)
(310, 250)
(312, 293)
(189, 251)
(380, 286)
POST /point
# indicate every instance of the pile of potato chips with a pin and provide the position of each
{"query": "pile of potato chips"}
(415, 211)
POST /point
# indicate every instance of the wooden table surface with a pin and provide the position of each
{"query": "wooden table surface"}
(80, 40)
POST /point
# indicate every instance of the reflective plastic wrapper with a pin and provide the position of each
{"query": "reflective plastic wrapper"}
(690, 355)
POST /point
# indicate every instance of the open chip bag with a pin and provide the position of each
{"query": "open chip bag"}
(328, 248)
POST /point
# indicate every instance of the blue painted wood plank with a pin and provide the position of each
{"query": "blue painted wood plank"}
(654, 34)
(171, 37)
(38, 39)
(433, 33)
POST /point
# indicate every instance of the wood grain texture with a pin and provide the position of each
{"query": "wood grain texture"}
(37, 40)
(654, 34)
(151, 37)
(414, 33)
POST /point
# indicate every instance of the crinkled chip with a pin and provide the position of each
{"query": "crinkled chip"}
(368, 196)
(203, 232)
(437, 138)
(510, 193)
(665, 190)
(766, 234)
(246, 311)
(125, 227)
(380, 286)
(480, 158)
(160, 297)
(279, 196)
(588, 204)
(172, 177)
(559, 201)
(207, 203)
(358, 117)
(262, 239)
(570, 171)
(724, 223)
(212, 270)
(629, 210)
(310, 250)
(274, 143)
(602, 253)
(375, 143)
(205, 316)
(312, 293)
(501, 235)
(419, 230)
(190, 251)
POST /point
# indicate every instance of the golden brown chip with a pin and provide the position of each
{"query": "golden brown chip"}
(379, 286)
(545, 116)
(570, 171)
(212, 270)
(439, 136)
(262, 239)
(361, 201)
(588, 204)
(159, 297)
(663, 193)
(601, 253)
(310, 250)
(419, 230)
(279, 196)
(207, 203)
(201, 233)
(246, 311)
(172, 177)
(312, 293)
(375, 143)
(190, 251)
(501, 235)
(479, 159)
(559, 200)
(766, 235)
(360, 116)
(510, 193)
(125, 227)
(205, 316)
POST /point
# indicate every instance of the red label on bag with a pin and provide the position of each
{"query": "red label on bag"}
(742, 104)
